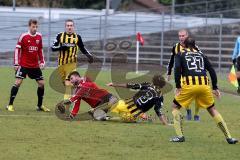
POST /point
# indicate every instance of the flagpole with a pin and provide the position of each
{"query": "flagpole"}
(137, 55)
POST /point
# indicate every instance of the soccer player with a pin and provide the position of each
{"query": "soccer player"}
(193, 66)
(87, 91)
(236, 59)
(178, 48)
(68, 44)
(28, 61)
(149, 95)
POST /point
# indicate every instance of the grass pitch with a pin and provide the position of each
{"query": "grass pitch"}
(30, 135)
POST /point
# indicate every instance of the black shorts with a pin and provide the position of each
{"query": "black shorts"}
(33, 73)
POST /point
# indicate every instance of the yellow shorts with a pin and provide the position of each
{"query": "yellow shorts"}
(202, 94)
(66, 69)
(125, 111)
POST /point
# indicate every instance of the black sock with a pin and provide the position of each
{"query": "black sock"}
(14, 92)
(40, 93)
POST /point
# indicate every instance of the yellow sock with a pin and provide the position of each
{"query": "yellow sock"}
(68, 92)
(222, 125)
(196, 110)
(177, 122)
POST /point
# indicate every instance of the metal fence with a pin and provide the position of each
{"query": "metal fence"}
(213, 33)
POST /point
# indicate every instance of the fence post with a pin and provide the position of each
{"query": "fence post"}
(162, 38)
(220, 44)
(135, 23)
(100, 32)
(49, 33)
(206, 13)
(105, 30)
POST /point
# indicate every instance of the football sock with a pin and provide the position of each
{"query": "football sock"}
(68, 92)
(177, 122)
(222, 125)
(196, 110)
(14, 92)
(40, 93)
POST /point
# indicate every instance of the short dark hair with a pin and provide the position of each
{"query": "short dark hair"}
(75, 73)
(69, 20)
(189, 42)
(32, 21)
(158, 81)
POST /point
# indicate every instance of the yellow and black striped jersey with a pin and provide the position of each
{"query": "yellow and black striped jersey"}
(177, 48)
(192, 66)
(68, 46)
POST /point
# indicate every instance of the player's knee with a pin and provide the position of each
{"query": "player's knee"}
(18, 82)
(41, 84)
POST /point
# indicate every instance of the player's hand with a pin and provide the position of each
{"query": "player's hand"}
(178, 91)
(168, 77)
(110, 84)
(217, 93)
(16, 67)
(41, 65)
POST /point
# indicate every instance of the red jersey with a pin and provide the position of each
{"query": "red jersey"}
(89, 92)
(28, 51)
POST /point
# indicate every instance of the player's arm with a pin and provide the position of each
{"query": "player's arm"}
(212, 72)
(83, 91)
(84, 50)
(235, 51)
(56, 43)
(130, 85)
(158, 110)
(17, 52)
(171, 61)
(41, 55)
(177, 70)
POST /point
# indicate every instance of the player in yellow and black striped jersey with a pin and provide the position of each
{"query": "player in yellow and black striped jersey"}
(68, 44)
(192, 66)
(179, 48)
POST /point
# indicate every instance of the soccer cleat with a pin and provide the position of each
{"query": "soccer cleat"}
(10, 108)
(43, 109)
(232, 140)
(189, 115)
(196, 118)
(177, 139)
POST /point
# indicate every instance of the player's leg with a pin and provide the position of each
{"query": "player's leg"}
(67, 69)
(13, 93)
(40, 95)
(196, 114)
(36, 73)
(187, 95)
(20, 74)
(238, 78)
(189, 114)
(221, 124)
(177, 123)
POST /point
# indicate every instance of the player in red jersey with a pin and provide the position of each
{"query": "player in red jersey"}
(89, 92)
(29, 60)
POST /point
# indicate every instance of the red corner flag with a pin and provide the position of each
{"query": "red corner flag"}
(140, 38)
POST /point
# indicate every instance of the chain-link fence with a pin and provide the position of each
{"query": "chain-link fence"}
(115, 33)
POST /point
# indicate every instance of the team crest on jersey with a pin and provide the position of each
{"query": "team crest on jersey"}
(37, 41)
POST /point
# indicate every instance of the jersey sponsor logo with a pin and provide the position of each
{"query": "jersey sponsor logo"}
(32, 48)
(69, 44)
